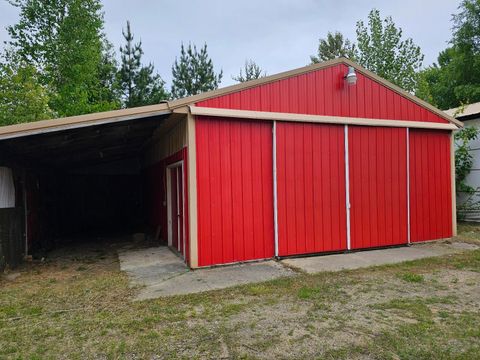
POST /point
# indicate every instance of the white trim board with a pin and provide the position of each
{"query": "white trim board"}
(347, 187)
(275, 188)
(278, 116)
(408, 186)
(182, 242)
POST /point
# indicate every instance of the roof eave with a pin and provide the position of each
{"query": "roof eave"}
(44, 126)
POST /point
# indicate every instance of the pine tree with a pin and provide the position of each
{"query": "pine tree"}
(193, 73)
(249, 72)
(334, 46)
(139, 84)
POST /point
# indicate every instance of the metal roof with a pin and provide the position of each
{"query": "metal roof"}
(464, 111)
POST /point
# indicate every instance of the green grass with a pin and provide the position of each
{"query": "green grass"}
(421, 309)
(411, 277)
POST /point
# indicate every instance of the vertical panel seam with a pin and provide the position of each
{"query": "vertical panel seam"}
(222, 243)
(408, 186)
(254, 230)
(275, 198)
(261, 191)
(304, 190)
(242, 187)
(347, 187)
(295, 184)
(231, 190)
(209, 125)
(313, 191)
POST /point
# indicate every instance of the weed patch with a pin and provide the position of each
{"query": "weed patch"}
(412, 277)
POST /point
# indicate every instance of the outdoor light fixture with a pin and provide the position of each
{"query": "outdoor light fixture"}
(351, 76)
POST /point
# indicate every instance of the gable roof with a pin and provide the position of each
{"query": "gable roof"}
(168, 107)
(307, 69)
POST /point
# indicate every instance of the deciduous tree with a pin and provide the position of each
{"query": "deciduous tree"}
(64, 41)
(382, 49)
(455, 80)
(22, 97)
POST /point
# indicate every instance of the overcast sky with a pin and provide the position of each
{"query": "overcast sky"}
(278, 34)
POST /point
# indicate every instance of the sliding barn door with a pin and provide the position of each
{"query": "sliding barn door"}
(310, 161)
(378, 186)
(430, 185)
(235, 190)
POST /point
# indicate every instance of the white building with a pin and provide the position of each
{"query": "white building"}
(469, 205)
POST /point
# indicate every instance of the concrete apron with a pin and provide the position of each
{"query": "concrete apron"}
(367, 258)
(160, 272)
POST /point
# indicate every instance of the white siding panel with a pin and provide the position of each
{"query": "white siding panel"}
(7, 188)
(473, 179)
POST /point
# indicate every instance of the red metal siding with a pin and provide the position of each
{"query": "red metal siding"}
(430, 185)
(324, 92)
(234, 190)
(310, 188)
(378, 186)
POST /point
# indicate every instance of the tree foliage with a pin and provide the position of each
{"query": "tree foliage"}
(463, 158)
(22, 98)
(381, 49)
(193, 72)
(64, 41)
(334, 46)
(138, 83)
(250, 71)
(455, 80)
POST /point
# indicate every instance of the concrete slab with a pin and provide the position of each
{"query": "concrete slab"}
(151, 265)
(162, 273)
(368, 258)
(216, 278)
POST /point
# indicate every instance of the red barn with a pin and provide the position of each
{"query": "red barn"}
(303, 162)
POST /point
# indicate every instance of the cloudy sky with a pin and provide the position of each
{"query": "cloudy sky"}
(278, 34)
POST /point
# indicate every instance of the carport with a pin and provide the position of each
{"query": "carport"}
(87, 176)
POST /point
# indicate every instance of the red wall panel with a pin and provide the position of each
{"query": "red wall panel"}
(310, 188)
(324, 92)
(234, 190)
(430, 185)
(378, 186)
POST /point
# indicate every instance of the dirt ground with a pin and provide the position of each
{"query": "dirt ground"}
(77, 305)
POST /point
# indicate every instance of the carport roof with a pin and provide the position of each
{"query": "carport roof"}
(168, 107)
(45, 126)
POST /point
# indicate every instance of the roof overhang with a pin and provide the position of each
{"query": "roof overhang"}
(75, 122)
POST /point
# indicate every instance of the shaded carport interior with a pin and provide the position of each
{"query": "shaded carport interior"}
(85, 180)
